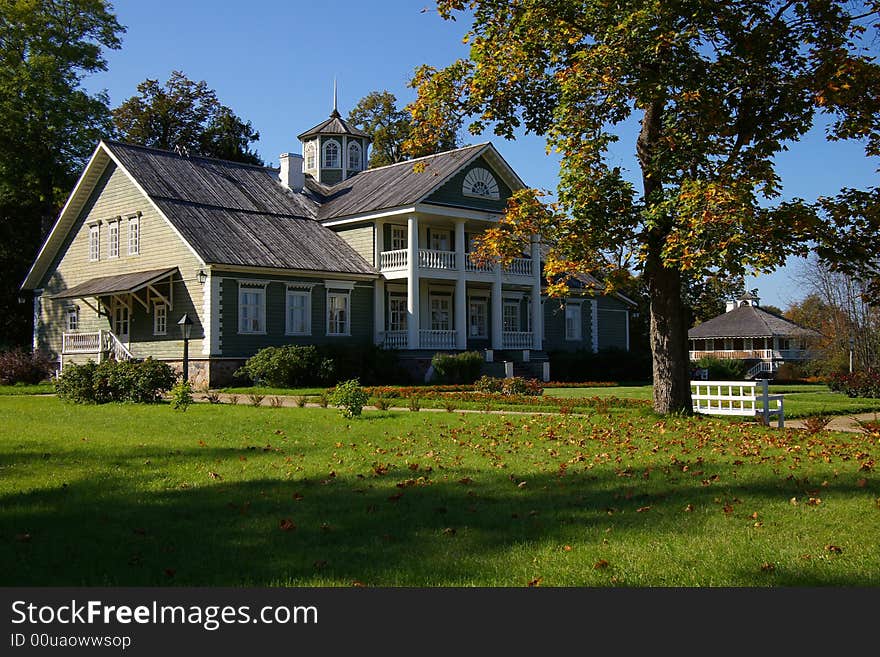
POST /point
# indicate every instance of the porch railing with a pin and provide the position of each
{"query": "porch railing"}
(473, 265)
(437, 339)
(517, 339)
(98, 342)
(430, 259)
(760, 354)
(394, 340)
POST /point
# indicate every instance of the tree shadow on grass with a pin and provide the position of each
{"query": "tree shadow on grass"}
(403, 527)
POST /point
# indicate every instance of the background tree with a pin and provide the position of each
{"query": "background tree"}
(719, 89)
(48, 126)
(377, 114)
(182, 114)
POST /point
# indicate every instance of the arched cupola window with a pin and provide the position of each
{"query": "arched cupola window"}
(310, 156)
(354, 156)
(331, 155)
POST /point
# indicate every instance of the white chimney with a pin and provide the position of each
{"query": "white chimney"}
(731, 305)
(291, 174)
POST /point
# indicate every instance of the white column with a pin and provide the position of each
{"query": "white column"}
(460, 288)
(208, 312)
(38, 298)
(594, 323)
(497, 311)
(537, 310)
(379, 285)
(412, 282)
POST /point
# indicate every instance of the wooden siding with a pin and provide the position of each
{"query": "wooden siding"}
(114, 197)
(554, 327)
(243, 345)
(450, 193)
(361, 240)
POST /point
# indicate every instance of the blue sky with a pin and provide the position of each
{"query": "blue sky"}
(274, 63)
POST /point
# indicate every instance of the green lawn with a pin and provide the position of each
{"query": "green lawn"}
(28, 389)
(235, 495)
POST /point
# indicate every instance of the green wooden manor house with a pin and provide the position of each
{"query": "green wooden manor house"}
(320, 250)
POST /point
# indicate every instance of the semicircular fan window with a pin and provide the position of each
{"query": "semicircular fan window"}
(480, 183)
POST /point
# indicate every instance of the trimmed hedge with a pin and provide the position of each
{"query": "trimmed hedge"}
(457, 368)
(722, 369)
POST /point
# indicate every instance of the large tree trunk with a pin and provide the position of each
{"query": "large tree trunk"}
(669, 343)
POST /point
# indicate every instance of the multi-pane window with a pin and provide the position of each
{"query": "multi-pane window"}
(160, 319)
(440, 240)
(94, 242)
(337, 313)
(354, 156)
(511, 316)
(572, 321)
(72, 315)
(310, 155)
(398, 238)
(397, 313)
(134, 237)
(298, 312)
(120, 321)
(331, 155)
(251, 309)
(440, 313)
(113, 239)
(477, 318)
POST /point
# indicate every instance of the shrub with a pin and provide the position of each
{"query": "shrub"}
(415, 404)
(457, 368)
(349, 397)
(515, 385)
(289, 366)
(323, 399)
(382, 402)
(276, 402)
(24, 366)
(865, 383)
(488, 384)
(116, 381)
(722, 369)
(181, 395)
(368, 363)
(256, 399)
(233, 399)
(300, 401)
(211, 397)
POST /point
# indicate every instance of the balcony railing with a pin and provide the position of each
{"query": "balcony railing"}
(97, 342)
(437, 339)
(519, 267)
(430, 259)
(516, 339)
(395, 340)
(473, 265)
(391, 260)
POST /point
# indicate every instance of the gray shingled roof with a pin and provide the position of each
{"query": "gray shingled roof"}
(335, 125)
(749, 322)
(238, 214)
(393, 185)
(118, 284)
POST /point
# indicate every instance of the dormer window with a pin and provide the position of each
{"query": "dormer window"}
(331, 155)
(480, 183)
(310, 155)
(354, 156)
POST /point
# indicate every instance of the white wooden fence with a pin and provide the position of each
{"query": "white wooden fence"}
(745, 398)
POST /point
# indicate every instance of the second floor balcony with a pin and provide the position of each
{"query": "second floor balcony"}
(436, 260)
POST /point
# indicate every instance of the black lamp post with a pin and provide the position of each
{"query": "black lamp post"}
(185, 325)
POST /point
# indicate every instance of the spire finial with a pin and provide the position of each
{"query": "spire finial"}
(335, 112)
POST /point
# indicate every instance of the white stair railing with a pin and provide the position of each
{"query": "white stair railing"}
(762, 366)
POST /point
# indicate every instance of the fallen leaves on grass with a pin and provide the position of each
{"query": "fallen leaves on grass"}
(834, 549)
(214, 475)
(286, 525)
(535, 582)
(643, 509)
(602, 564)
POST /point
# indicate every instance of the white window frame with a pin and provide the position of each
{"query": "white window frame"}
(354, 148)
(437, 233)
(397, 317)
(508, 304)
(399, 237)
(333, 295)
(71, 313)
(134, 235)
(121, 317)
(160, 318)
(482, 302)
(324, 158)
(435, 326)
(578, 334)
(311, 155)
(258, 289)
(306, 296)
(113, 227)
(94, 242)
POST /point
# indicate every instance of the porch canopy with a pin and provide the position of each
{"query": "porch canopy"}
(106, 286)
